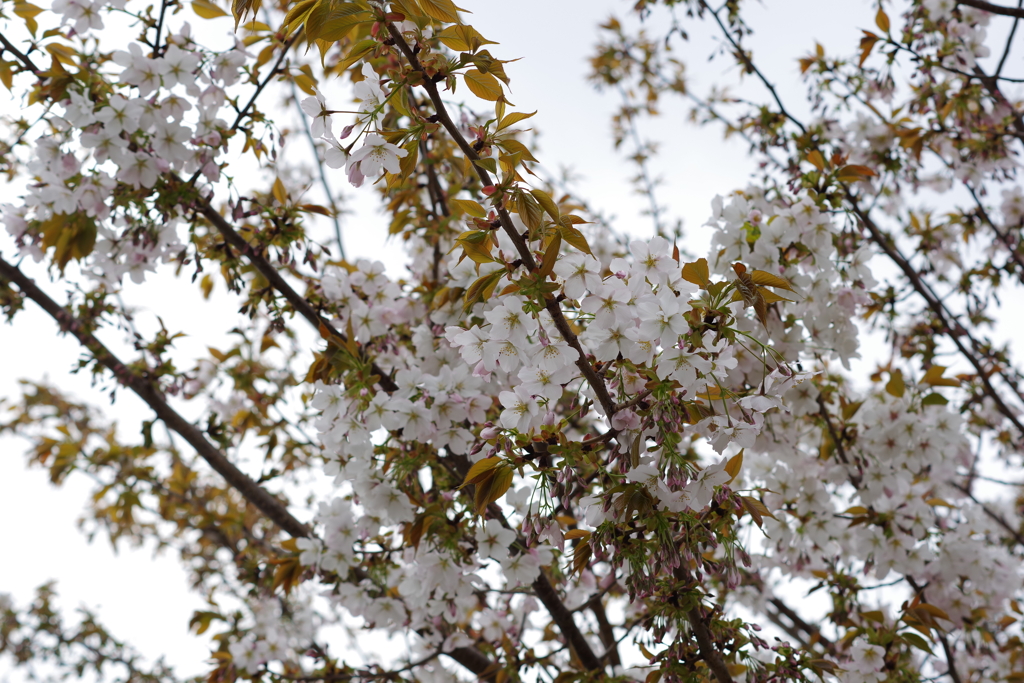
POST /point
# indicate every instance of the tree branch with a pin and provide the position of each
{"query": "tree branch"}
(564, 329)
(21, 56)
(708, 652)
(267, 270)
(563, 617)
(471, 658)
(153, 397)
(954, 333)
(995, 516)
(994, 9)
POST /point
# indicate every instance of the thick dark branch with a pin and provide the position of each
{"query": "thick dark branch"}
(563, 617)
(153, 397)
(708, 652)
(267, 270)
(954, 332)
(21, 56)
(798, 623)
(605, 631)
(471, 658)
(994, 9)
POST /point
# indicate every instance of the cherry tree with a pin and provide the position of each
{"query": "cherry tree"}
(549, 449)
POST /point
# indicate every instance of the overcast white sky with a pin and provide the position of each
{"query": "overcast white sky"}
(144, 599)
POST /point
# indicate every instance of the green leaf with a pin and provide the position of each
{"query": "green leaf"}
(917, 641)
(469, 206)
(550, 256)
(765, 279)
(575, 238)
(463, 38)
(442, 10)
(513, 118)
(896, 386)
(546, 203)
(529, 210)
(207, 10)
(479, 470)
(854, 172)
(481, 289)
(933, 376)
(697, 273)
(483, 85)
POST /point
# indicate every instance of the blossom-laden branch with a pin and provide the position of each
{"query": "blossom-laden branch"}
(596, 382)
(266, 503)
(453, 407)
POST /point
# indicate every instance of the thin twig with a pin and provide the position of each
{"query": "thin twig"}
(749, 64)
(320, 168)
(1009, 41)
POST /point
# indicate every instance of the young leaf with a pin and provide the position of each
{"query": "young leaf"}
(469, 206)
(483, 85)
(765, 279)
(513, 118)
(933, 376)
(895, 386)
(442, 10)
(882, 20)
(574, 237)
(697, 273)
(547, 203)
(207, 10)
(479, 470)
(550, 256)
(854, 172)
(734, 465)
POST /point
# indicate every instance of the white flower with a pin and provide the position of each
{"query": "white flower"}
(652, 259)
(376, 154)
(698, 493)
(493, 539)
(370, 94)
(120, 114)
(580, 272)
(681, 366)
(521, 569)
(140, 171)
(520, 409)
(335, 156)
(555, 355)
(541, 382)
(316, 107)
(180, 66)
(510, 322)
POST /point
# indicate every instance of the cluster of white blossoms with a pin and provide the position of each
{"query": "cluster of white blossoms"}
(165, 118)
(274, 634)
(376, 154)
(864, 488)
